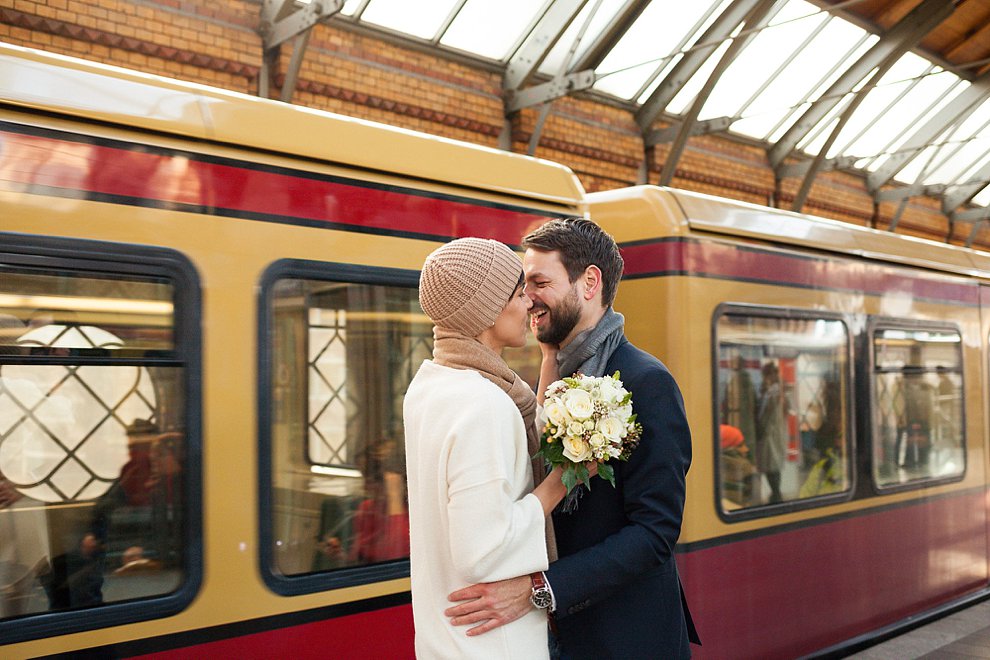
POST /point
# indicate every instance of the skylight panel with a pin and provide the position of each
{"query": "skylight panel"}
(489, 28)
(777, 43)
(970, 144)
(648, 45)
(599, 21)
(907, 106)
(420, 19)
(809, 72)
(865, 132)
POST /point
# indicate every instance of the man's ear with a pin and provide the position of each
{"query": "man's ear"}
(591, 282)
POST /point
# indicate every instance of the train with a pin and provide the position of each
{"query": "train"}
(208, 320)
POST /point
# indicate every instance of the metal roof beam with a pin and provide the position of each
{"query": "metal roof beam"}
(955, 111)
(972, 215)
(548, 91)
(691, 62)
(278, 24)
(664, 135)
(615, 30)
(965, 192)
(917, 190)
(901, 37)
(801, 169)
(541, 40)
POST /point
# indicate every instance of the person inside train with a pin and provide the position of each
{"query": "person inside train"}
(378, 528)
(470, 432)
(771, 435)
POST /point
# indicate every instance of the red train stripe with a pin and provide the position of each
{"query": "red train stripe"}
(386, 633)
(711, 259)
(788, 594)
(206, 184)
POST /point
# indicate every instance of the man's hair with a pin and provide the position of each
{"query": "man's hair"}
(581, 243)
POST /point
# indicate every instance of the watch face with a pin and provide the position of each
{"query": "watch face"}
(541, 598)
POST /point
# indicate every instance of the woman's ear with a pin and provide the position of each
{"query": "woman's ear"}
(591, 281)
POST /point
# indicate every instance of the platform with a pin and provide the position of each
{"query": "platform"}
(960, 636)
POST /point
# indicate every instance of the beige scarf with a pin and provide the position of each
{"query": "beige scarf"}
(453, 349)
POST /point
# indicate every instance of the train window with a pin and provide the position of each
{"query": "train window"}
(93, 417)
(918, 395)
(343, 354)
(783, 421)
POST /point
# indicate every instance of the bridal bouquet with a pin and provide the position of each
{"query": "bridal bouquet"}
(588, 419)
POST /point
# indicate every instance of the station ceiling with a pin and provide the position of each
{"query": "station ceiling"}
(896, 89)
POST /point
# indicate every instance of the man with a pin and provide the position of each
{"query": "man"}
(615, 591)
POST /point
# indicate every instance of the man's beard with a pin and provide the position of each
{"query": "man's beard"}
(563, 318)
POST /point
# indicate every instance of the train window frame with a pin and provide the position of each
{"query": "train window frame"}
(351, 576)
(84, 257)
(874, 323)
(817, 501)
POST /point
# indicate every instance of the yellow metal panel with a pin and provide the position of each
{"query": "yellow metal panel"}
(638, 213)
(42, 81)
(712, 214)
(33, 79)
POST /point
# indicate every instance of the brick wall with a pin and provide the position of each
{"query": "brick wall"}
(215, 42)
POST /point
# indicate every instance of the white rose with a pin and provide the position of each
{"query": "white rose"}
(597, 441)
(624, 412)
(575, 428)
(611, 428)
(576, 450)
(556, 413)
(578, 403)
(608, 391)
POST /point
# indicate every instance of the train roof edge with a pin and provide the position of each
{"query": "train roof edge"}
(679, 212)
(35, 79)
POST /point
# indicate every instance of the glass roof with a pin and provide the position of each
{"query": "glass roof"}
(791, 57)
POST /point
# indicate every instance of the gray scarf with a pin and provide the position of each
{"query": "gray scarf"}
(590, 351)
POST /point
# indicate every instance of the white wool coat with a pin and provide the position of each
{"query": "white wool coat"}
(472, 515)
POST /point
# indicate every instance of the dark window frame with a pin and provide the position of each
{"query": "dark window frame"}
(781, 508)
(873, 324)
(306, 583)
(102, 258)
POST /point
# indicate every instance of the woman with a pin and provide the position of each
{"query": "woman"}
(470, 422)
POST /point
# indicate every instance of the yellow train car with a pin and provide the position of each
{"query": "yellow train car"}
(835, 383)
(208, 317)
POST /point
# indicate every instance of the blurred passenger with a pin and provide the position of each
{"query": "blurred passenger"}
(76, 578)
(771, 446)
(737, 468)
(24, 548)
(381, 523)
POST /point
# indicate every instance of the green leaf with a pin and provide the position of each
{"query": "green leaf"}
(569, 479)
(582, 474)
(606, 472)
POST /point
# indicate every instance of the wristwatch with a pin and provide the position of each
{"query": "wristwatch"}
(541, 597)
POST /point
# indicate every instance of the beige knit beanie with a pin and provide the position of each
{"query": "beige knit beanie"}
(466, 283)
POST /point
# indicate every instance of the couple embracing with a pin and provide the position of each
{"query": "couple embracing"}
(496, 563)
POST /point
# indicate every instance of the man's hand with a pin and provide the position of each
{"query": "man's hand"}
(492, 604)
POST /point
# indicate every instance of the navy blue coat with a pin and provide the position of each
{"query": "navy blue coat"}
(616, 586)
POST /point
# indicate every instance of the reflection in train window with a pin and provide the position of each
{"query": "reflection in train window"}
(344, 354)
(91, 441)
(782, 388)
(918, 395)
